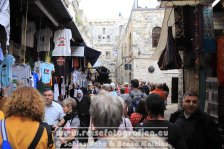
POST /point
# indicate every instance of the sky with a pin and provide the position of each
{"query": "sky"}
(110, 9)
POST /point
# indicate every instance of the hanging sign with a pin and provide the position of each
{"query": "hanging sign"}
(77, 51)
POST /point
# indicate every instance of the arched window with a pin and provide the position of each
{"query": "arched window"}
(155, 36)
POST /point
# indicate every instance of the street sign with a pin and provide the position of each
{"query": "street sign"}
(127, 66)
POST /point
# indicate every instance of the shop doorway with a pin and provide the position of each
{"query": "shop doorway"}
(174, 93)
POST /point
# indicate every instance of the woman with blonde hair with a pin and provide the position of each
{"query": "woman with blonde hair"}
(24, 111)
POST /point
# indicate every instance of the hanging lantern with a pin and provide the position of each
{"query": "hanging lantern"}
(151, 69)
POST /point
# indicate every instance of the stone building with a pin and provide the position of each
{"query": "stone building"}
(105, 35)
(137, 46)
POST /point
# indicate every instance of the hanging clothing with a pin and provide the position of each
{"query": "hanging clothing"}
(37, 70)
(220, 60)
(6, 70)
(46, 72)
(1, 54)
(43, 39)
(34, 79)
(62, 43)
(21, 75)
(61, 64)
(170, 57)
(56, 92)
(30, 31)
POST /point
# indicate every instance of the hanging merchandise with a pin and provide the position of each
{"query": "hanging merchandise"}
(61, 65)
(30, 31)
(170, 57)
(62, 43)
(75, 76)
(22, 52)
(37, 66)
(1, 53)
(34, 80)
(21, 74)
(6, 70)
(63, 86)
(208, 29)
(43, 39)
(184, 26)
(46, 72)
(83, 80)
(5, 17)
(220, 60)
(56, 92)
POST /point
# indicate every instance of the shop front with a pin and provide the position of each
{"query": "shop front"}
(39, 45)
(198, 32)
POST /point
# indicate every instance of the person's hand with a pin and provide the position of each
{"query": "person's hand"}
(55, 128)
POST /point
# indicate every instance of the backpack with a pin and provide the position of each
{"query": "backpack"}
(5, 142)
(134, 103)
(40, 130)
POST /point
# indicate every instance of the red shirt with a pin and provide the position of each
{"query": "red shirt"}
(160, 92)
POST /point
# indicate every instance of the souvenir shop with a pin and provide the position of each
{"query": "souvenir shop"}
(199, 37)
(41, 46)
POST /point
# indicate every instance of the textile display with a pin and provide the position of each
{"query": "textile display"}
(220, 59)
(43, 39)
(184, 26)
(61, 64)
(170, 58)
(6, 70)
(208, 30)
(62, 43)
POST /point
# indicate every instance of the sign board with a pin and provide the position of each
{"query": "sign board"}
(127, 66)
(77, 51)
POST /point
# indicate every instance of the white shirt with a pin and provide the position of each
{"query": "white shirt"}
(43, 39)
(30, 31)
(53, 113)
(62, 43)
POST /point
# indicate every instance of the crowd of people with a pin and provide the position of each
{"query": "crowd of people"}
(125, 116)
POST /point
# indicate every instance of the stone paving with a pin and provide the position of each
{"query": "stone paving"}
(171, 107)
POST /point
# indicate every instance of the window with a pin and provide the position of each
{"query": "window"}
(99, 38)
(108, 55)
(104, 30)
(155, 36)
(108, 38)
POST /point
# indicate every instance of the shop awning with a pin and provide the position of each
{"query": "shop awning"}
(57, 9)
(91, 55)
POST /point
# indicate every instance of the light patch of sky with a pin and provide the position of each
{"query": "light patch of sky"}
(110, 9)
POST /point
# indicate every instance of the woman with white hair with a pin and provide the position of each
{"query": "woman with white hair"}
(106, 113)
(70, 124)
(126, 123)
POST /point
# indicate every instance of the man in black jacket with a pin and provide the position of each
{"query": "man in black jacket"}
(197, 127)
(158, 125)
